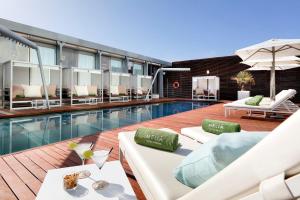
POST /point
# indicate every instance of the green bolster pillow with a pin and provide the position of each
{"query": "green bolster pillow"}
(217, 127)
(157, 139)
(254, 101)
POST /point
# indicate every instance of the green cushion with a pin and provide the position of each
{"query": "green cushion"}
(254, 101)
(218, 127)
(213, 156)
(157, 139)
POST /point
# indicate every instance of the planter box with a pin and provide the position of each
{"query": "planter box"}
(243, 94)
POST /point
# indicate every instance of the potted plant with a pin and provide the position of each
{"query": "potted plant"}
(244, 79)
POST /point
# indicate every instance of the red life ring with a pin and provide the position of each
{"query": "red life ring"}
(176, 84)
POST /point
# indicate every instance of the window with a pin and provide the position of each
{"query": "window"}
(48, 54)
(116, 65)
(86, 60)
(137, 69)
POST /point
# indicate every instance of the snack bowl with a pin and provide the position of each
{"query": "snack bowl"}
(70, 181)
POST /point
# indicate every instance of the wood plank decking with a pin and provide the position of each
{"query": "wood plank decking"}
(22, 173)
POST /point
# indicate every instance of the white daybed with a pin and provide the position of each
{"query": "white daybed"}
(281, 105)
(205, 88)
(270, 170)
(117, 86)
(140, 85)
(18, 75)
(79, 83)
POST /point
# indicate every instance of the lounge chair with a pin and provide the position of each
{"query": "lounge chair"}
(281, 105)
(119, 93)
(270, 170)
(140, 93)
(90, 94)
(33, 98)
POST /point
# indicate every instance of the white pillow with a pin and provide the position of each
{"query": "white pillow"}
(81, 90)
(140, 91)
(114, 90)
(32, 91)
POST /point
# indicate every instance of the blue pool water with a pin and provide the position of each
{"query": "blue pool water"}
(23, 133)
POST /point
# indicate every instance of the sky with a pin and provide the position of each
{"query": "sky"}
(170, 30)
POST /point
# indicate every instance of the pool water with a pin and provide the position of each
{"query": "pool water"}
(17, 134)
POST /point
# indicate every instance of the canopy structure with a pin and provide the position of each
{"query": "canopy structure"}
(140, 85)
(205, 88)
(23, 86)
(83, 86)
(4, 32)
(270, 50)
(117, 86)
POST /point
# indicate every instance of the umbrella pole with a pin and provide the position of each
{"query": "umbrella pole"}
(272, 80)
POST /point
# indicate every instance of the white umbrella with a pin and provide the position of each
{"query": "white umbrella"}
(277, 67)
(271, 49)
(281, 63)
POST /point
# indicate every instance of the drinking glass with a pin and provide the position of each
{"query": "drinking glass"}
(100, 157)
(81, 148)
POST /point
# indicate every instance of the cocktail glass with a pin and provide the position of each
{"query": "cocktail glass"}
(81, 148)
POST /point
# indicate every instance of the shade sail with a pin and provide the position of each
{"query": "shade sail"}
(270, 50)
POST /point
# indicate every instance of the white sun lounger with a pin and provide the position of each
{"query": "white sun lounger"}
(281, 105)
(270, 170)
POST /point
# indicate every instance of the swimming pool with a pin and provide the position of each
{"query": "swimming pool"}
(17, 134)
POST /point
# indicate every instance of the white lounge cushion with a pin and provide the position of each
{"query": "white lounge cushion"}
(32, 91)
(139, 91)
(198, 134)
(18, 91)
(155, 167)
(92, 89)
(81, 90)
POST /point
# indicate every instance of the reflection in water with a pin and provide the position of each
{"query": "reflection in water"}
(23, 133)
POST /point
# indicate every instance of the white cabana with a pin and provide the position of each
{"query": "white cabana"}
(83, 86)
(140, 85)
(117, 86)
(271, 50)
(22, 86)
(205, 88)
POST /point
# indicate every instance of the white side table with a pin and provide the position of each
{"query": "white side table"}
(112, 172)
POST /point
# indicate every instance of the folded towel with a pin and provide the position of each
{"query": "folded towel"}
(218, 127)
(254, 101)
(157, 139)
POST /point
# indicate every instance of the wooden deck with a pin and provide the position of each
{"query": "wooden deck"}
(22, 173)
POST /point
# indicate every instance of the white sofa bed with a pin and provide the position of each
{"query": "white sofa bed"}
(269, 171)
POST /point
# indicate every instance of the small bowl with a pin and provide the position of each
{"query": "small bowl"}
(70, 181)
